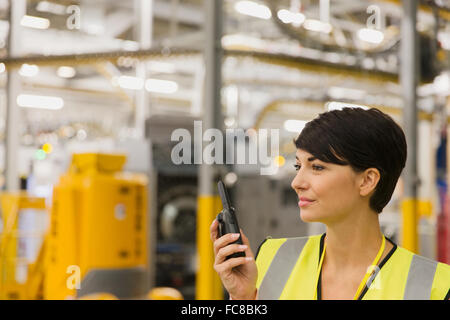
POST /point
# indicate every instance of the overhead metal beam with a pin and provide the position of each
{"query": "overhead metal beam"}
(158, 53)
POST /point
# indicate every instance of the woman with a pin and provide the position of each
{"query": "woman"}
(348, 163)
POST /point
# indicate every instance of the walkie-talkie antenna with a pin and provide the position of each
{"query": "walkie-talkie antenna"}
(223, 195)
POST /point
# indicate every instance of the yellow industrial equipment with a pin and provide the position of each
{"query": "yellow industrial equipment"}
(164, 293)
(99, 296)
(208, 284)
(98, 231)
(24, 225)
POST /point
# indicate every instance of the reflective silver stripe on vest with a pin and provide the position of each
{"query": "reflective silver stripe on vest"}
(420, 278)
(280, 268)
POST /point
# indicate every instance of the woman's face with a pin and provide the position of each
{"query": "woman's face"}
(332, 189)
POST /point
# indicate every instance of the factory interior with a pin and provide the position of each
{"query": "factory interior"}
(95, 95)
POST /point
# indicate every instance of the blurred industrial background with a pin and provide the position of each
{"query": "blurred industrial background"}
(92, 204)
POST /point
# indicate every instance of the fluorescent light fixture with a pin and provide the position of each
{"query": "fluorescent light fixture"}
(163, 67)
(66, 72)
(371, 35)
(253, 9)
(50, 7)
(29, 70)
(129, 45)
(346, 93)
(295, 126)
(368, 63)
(288, 16)
(161, 86)
(127, 82)
(40, 102)
(229, 122)
(335, 105)
(95, 29)
(317, 26)
(444, 39)
(243, 40)
(332, 57)
(2, 67)
(35, 22)
(425, 90)
(442, 84)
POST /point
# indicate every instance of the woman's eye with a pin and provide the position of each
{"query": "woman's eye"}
(315, 167)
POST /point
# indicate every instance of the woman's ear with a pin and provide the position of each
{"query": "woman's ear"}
(369, 181)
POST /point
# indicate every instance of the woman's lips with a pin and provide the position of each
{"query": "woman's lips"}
(304, 203)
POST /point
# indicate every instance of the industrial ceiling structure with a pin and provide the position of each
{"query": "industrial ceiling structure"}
(282, 60)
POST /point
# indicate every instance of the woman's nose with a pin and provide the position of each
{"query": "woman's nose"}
(299, 182)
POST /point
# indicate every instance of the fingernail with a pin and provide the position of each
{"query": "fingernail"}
(248, 258)
(242, 247)
(235, 235)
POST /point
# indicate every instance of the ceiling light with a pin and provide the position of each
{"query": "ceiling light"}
(50, 7)
(334, 105)
(371, 35)
(290, 17)
(35, 22)
(127, 82)
(295, 126)
(253, 9)
(95, 29)
(29, 70)
(129, 45)
(317, 26)
(161, 86)
(444, 39)
(229, 122)
(240, 40)
(41, 102)
(66, 72)
(442, 84)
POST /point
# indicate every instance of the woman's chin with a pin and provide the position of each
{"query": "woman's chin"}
(309, 216)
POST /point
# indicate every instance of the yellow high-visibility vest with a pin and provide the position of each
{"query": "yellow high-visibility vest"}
(287, 269)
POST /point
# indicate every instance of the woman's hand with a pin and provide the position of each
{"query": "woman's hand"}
(238, 275)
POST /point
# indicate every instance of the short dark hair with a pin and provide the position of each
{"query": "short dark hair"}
(362, 139)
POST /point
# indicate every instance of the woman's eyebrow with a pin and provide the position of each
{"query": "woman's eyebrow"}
(309, 159)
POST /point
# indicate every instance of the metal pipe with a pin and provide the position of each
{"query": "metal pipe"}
(144, 35)
(409, 75)
(208, 284)
(17, 10)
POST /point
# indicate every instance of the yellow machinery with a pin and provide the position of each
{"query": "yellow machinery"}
(93, 245)
(25, 222)
(98, 231)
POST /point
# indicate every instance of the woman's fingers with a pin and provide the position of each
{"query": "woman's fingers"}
(231, 263)
(230, 249)
(213, 230)
(224, 240)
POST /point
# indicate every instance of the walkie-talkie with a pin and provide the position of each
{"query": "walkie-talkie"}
(227, 219)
